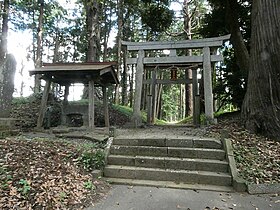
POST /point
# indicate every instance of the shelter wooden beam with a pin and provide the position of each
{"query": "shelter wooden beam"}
(105, 105)
(44, 101)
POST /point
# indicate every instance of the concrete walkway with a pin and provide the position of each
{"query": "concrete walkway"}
(123, 197)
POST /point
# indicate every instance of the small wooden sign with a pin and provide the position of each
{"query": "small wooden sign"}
(174, 74)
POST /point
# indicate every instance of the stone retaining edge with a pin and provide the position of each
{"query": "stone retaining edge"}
(107, 149)
(100, 173)
(264, 188)
(238, 183)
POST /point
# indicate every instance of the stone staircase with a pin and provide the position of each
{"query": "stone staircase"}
(189, 162)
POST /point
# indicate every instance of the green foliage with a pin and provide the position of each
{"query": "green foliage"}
(92, 159)
(170, 98)
(25, 187)
(89, 185)
(20, 100)
(62, 196)
(186, 120)
(157, 16)
(5, 177)
(160, 122)
(231, 82)
(127, 111)
(25, 100)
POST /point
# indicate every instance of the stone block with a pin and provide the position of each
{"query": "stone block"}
(150, 162)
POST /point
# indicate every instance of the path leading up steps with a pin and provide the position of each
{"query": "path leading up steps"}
(168, 158)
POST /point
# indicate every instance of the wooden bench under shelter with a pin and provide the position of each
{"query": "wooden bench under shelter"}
(92, 74)
(138, 53)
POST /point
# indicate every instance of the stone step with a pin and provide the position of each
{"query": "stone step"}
(170, 184)
(201, 153)
(169, 163)
(191, 142)
(178, 176)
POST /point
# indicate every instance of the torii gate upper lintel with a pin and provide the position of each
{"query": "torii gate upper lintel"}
(206, 59)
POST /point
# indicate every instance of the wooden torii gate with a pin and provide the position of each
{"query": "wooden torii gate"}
(208, 57)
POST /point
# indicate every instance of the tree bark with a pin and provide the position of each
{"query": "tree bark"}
(120, 35)
(38, 59)
(188, 72)
(261, 106)
(93, 35)
(7, 73)
(4, 35)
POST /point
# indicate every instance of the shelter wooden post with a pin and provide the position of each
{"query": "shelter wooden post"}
(91, 104)
(208, 93)
(44, 101)
(136, 117)
(65, 103)
(154, 96)
(66, 94)
(105, 105)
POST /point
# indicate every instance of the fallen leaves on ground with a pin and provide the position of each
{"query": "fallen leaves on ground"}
(257, 157)
(45, 175)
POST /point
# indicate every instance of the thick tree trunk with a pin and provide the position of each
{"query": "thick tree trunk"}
(4, 35)
(124, 81)
(92, 21)
(7, 73)
(120, 35)
(7, 67)
(38, 59)
(188, 72)
(261, 106)
(93, 35)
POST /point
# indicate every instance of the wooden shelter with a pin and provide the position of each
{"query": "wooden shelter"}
(91, 74)
(206, 60)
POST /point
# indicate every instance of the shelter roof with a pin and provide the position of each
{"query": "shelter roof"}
(65, 73)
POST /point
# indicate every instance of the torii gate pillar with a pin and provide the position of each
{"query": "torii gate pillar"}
(208, 90)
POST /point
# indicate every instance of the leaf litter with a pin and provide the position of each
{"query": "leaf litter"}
(45, 174)
(257, 157)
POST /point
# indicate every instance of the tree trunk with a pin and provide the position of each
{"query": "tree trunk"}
(93, 35)
(92, 22)
(7, 73)
(4, 35)
(7, 67)
(188, 72)
(124, 81)
(120, 35)
(107, 29)
(56, 47)
(261, 106)
(38, 59)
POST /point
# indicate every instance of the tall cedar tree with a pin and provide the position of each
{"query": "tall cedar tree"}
(261, 106)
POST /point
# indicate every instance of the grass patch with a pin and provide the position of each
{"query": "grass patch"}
(127, 111)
